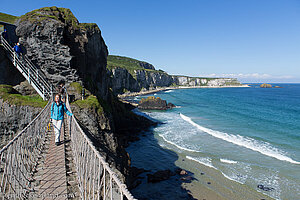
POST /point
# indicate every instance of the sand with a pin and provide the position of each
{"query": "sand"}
(220, 187)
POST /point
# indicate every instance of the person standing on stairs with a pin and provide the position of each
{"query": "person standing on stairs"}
(18, 49)
(58, 109)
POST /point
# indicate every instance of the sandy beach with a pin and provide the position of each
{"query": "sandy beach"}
(212, 184)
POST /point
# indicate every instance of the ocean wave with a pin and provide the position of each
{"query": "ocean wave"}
(228, 161)
(203, 161)
(261, 147)
(233, 179)
(179, 147)
(169, 91)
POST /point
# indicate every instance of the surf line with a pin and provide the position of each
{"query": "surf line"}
(249, 143)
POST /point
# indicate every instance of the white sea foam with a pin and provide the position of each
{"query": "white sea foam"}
(179, 147)
(228, 161)
(261, 147)
(203, 161)
(154, 94)
(169, 91)
(228, 177)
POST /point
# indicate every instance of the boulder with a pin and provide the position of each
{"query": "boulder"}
(160, 176)
(265, 188)
(181, 172)
(152, 103)
(265, 85)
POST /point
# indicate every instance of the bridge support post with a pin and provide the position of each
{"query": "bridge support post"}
(14, 58)
(44, 98)
(29, 76)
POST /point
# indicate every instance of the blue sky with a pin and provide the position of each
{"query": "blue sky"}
(253, 40)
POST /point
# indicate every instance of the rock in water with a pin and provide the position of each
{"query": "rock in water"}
(265, 85)
(152, 103)
(265, 188)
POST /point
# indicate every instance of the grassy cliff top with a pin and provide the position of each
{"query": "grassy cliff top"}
(8, 18)
(60, 14)
(127, 63)
(10, 95)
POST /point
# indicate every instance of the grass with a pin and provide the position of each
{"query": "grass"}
(8, 18)
(77, 87)
(10, 95)
(59, 14)
(91, 102)
(131, 65)
(150, 98)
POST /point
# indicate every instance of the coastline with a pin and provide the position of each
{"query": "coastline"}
(210, 183)
(206, 182)
(131, 94)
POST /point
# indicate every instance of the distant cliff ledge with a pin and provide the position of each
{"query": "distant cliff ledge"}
(130, 75)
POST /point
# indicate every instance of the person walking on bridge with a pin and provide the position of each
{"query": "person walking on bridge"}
(18, 49)
(58, 109)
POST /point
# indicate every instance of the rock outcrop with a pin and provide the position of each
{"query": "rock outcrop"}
(265, 85)
(65, 49)
(14, 118)
(152, 103)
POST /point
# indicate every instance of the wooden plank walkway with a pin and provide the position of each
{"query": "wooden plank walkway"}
(53, 183)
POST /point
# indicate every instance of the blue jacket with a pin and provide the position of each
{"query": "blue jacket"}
(57, 111)
(18, 49)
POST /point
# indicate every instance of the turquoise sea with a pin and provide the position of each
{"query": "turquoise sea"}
(251, 135)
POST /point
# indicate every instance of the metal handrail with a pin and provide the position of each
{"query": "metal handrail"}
(96, 179)
(18, 159)
(34, 76)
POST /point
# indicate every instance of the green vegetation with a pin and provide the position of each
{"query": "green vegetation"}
(10, 95)
(91, 102)
(77, 87)
(60, 14)
(128, 63)
(150, 98)
(8, 18)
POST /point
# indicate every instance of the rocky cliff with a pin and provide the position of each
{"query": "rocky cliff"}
(64, 49)
(128, 74)
(75, 53)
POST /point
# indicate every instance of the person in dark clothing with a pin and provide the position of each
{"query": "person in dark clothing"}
(18, 49)
(61, 91)
(5, 35)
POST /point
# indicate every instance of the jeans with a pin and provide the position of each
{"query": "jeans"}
(57, 126)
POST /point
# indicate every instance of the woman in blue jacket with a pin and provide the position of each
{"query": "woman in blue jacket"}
(58, 109)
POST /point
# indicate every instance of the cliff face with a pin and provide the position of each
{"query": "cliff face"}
(14, 118)
(123, 80)
(8, 73)
(65, 49)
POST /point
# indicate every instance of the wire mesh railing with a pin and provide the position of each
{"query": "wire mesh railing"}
(18, 159)
(95, 177)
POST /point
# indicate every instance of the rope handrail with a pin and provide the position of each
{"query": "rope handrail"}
(34, 76)
(18, 159)
(96, 179)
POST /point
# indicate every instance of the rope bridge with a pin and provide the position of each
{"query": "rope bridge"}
(19, 158)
